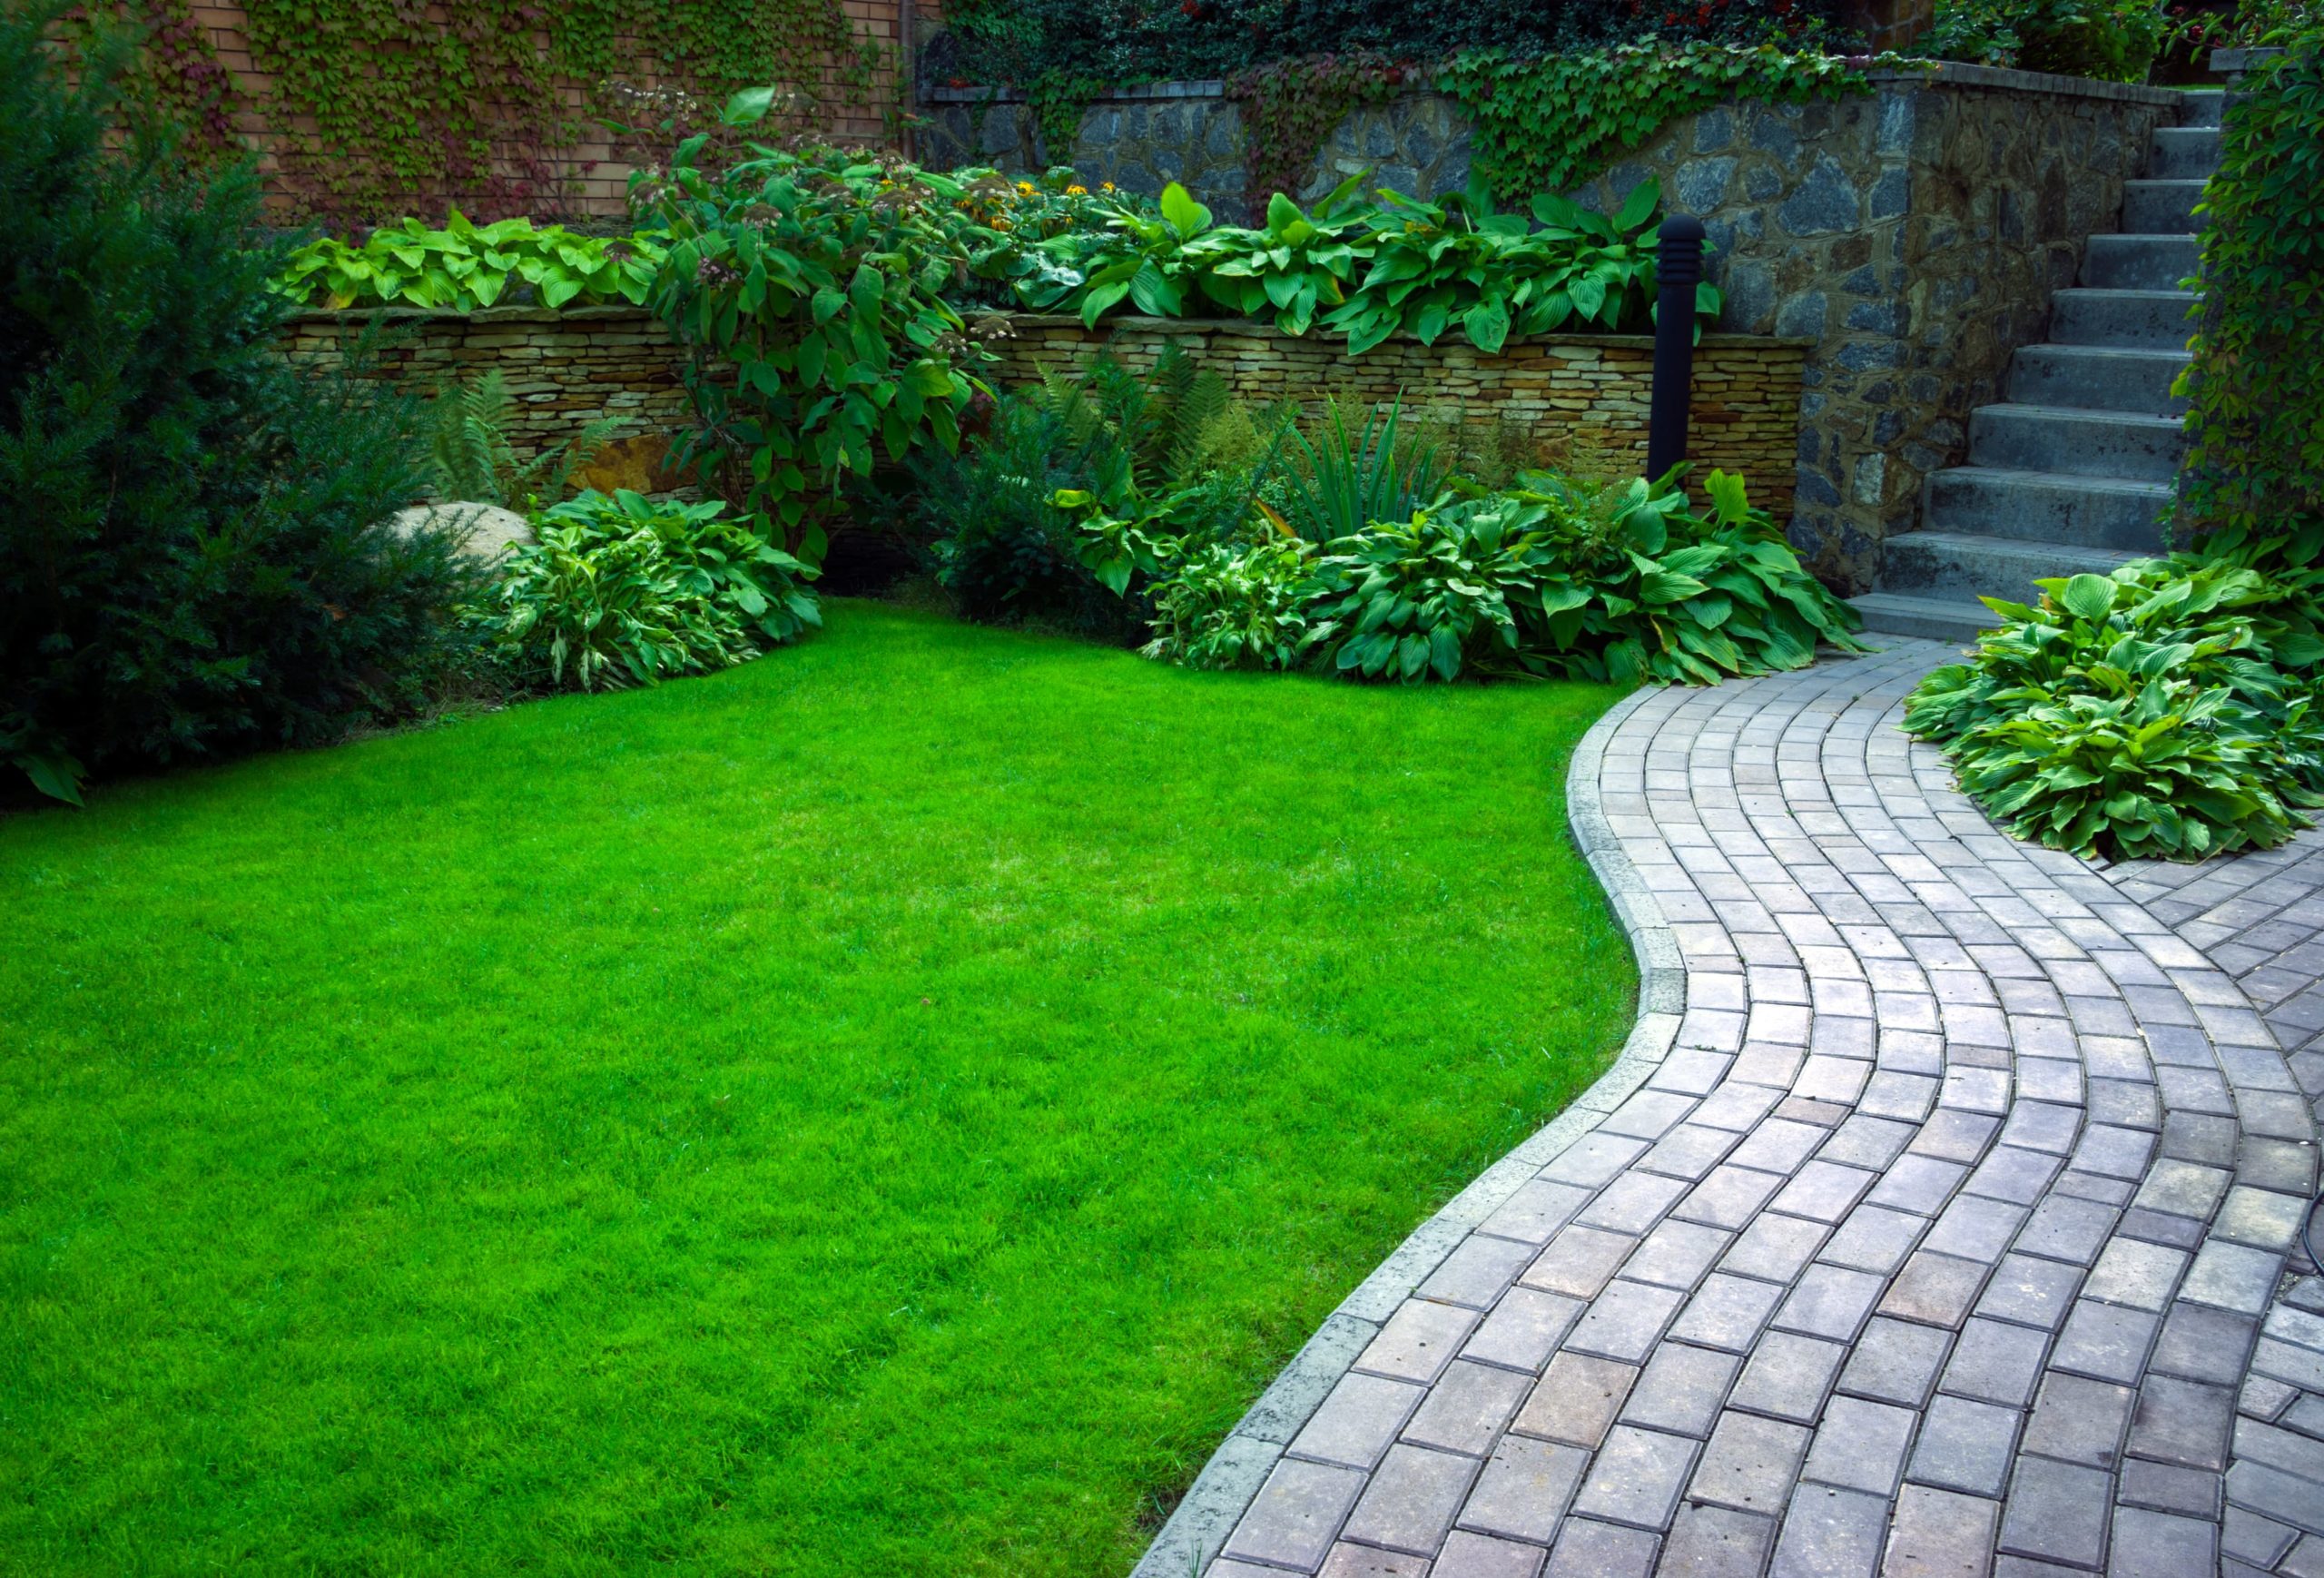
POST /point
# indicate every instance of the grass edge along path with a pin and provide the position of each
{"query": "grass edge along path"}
(887, 1108)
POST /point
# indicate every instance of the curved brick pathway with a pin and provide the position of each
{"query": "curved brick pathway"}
(1935, 1219)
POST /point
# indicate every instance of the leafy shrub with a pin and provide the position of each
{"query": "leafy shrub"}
(2255, 468)
(469, 453)
(2161, 712)
(1429, 596)
(195, 558)
(623, 590)
(1638, 586)
(1234, 605)
(1404, 264)
(2109, 40)
(811, 293)
(1547, 577)
(465, 266)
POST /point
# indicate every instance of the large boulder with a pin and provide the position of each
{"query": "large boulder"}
(485, 531)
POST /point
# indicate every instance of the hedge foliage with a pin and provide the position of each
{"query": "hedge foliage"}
(2256, 465)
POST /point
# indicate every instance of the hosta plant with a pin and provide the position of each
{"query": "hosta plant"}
(1636, 585)
(2160, 712)
(1427, 597)
(624, 590)
(464, 266)
(1458, 263)
(1301, 265)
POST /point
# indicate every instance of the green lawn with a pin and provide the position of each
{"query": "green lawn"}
(887, 1108)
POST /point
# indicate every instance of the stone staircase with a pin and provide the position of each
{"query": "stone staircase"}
(2070, 473)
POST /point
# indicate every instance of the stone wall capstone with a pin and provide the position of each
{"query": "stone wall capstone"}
(1911, 234)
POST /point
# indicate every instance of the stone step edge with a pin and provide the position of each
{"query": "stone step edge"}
(1985, 542)
(2132, 486)
(1231, 1479)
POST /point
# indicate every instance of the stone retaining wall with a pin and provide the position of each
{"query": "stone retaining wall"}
(1912, 234)
(1578, 400)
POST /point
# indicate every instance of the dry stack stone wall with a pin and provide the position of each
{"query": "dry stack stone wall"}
(564, 368)
(1577, 400)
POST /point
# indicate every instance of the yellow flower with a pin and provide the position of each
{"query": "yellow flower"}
(1104, 186)
(1000, 225)
(1077, 192)
(1024, 188)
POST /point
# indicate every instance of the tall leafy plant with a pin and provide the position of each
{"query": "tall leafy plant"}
(810, 297)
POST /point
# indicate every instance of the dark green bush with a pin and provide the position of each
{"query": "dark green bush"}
(1006, 551)
(194, 559)
(2109, 40)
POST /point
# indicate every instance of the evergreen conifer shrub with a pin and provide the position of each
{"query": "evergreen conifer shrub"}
(194, 554)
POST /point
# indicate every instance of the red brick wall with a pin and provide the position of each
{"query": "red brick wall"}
(591, 178)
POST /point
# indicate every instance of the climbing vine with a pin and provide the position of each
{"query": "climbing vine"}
(1550, 123)
(1290, 106)
(176, 76)
(1059, 99)
(2256, 469)
(378, 107)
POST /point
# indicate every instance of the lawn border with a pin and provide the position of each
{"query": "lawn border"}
(1229, 1482)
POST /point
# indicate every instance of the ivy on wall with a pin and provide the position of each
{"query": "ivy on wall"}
(178, 77)
(2255, 469)
(1550, 122)
(1290, 106)
(385, 107)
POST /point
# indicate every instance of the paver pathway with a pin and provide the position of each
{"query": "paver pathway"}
(1936, 1219)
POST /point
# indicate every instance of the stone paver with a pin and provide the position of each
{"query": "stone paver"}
(1940, 1216)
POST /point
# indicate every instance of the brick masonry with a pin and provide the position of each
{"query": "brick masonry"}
(1579, 400)
(586, 178)
(1912, 234)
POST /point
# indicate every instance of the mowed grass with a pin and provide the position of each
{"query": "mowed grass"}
(887, 1108)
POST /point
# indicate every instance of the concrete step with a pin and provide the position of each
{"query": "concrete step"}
(2101, 512)
(2105, 377)
(2139, 262)
(2082, 443)
(1935, 618)
(2202, 107)
(1947, 564)
(2183, 153)
(2161, 207)
(2129, 320)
